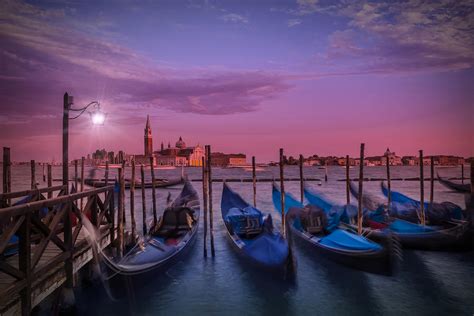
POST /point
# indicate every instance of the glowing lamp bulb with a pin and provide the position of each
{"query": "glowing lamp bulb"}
(98, 118)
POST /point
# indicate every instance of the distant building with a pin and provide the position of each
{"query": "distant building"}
(148, 138)
(228, 160)
(180, 155)
(394, 160)
(409, 160)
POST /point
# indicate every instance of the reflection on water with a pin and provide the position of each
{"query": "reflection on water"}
(427, 283)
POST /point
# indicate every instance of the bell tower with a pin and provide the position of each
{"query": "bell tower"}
(148, 138)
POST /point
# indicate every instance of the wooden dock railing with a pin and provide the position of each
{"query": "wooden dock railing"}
(39, 251)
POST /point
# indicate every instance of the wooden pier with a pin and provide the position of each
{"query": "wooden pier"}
(49, 249)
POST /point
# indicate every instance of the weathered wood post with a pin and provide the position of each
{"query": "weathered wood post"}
(24, 263)
(422, 190)
(301, 179)
(120, 215)
(76, 177)
(348, 181)
(462, 173)
(326, 172)
(361, 187)
(254, 182)
(33, 174)
(142, 173)
(211, 215)
(282, 197)
(7, 179)
(82, 181)
(132, 200)
(205, 195)
(106, 173)
(44, 173)
(124, 208)
(50, 180)
(389, 183)
(471, 211)
(153, 192)
(431, 181)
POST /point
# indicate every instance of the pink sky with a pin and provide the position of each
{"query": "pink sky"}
(308, 77)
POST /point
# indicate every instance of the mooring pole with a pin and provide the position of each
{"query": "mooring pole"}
(33, 174)
(211, 215)
(431, 181)
(44, 173)
(142, 173)
(282, 196)
(82, 181)
(204, 199)
(7, 179)
(50, 180)
(462, 173)
(153, 192)
(301, 179)
(121, 211)
(348, 181)
(471, 211)
(254, 182)
(361, 187)
(422, 190)
(325, 172)
(389, 184)
(132, 200)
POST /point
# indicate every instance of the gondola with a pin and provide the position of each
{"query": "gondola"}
(173, 236)
(165, 183)
(308, 225)
(458, 187)
(449, 235)
(252, 234)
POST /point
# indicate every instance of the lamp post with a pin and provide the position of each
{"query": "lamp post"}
(98, 118)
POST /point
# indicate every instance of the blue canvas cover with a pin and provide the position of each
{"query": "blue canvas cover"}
(271, 249)
(401, 226)
(344, 240)
(237, 218)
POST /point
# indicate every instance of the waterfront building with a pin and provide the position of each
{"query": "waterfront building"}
(148, 138)
(228, 160)
(394, 160)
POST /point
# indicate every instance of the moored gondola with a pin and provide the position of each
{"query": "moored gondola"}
(173, 236)
(309, 225)
(458, 187)
(450, 234)
(252, 234)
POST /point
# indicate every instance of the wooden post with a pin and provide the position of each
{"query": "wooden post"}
(44, 174)
(124, 208)
(348, 181)
(7, 180)
(431, 181)
(325, 172)
(106, 173)
(211, 219)
(82, 180)
(153, 192)
(121, 202)
(470, 214)
(422, 190)
(204, 199)
(24, 263)
(301, 179)
(462, 173)
(142, 172)
(33, 174)
(76, 177)
(282, 197)
(254, 182)
(132, 200)
(361, 187)
(50, 180)
(389, 184)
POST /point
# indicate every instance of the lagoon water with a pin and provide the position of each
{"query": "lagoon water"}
(426, 283)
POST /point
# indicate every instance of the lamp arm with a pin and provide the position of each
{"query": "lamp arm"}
(82, 110)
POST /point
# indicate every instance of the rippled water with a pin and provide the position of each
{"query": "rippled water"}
(427, 283)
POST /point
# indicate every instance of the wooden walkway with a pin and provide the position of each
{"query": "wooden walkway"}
(51, 248)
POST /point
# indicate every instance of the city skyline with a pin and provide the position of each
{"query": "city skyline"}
(307, 76)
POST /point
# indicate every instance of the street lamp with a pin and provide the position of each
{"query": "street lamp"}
(97, 118)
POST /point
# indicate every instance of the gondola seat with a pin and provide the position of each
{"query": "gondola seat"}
(175, 222)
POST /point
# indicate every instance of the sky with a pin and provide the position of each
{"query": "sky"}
(309, 76)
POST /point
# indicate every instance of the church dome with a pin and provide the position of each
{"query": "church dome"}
(180, 143)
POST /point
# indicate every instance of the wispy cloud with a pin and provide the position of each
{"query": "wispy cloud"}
(234, 18)
(293, 22)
